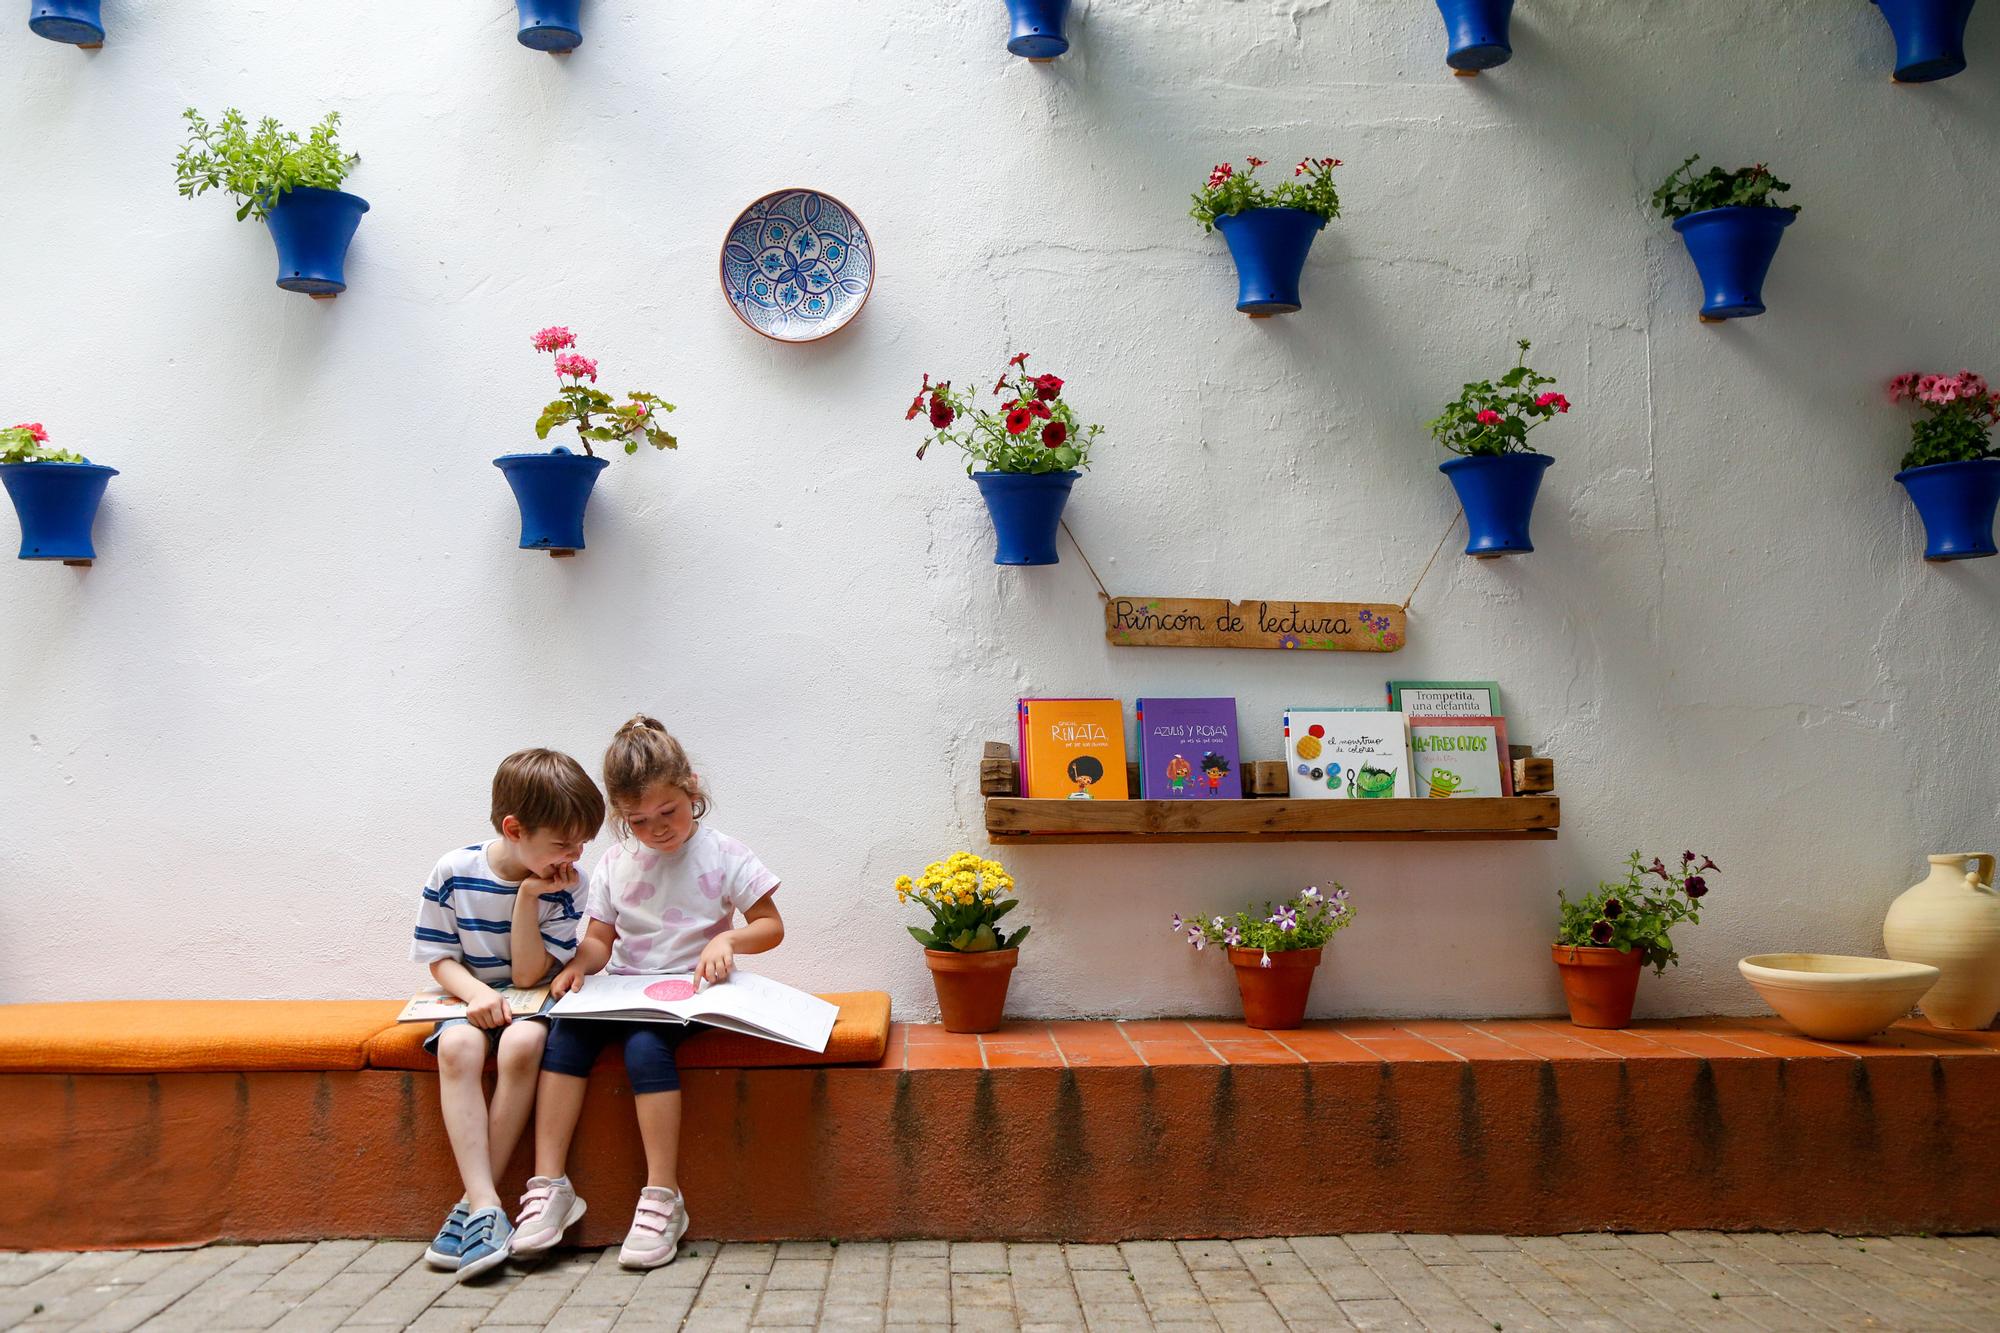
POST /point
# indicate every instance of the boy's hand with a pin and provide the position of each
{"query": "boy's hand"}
(567, 980)
(717, 959)
(490, 1011)
(559, 880)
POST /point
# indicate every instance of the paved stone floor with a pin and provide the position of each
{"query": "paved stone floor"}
(1686, 1280)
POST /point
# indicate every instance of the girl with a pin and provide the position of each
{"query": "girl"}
(662, 900)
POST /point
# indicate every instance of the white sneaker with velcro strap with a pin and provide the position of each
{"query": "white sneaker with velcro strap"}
(658, 1224)
(548, 1208)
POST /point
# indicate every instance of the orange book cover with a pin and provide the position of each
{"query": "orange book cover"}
(1073, 748)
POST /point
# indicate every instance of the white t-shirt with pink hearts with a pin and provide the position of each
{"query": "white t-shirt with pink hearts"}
(667, 906)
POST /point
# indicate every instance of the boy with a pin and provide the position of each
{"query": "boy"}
(497, 914)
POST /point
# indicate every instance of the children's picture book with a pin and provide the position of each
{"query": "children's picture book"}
(435, 1006)
(1461, 756)
(1073, 748)
(1188, 750)
(1446, 698)
(1347, 753)
(747, 1003)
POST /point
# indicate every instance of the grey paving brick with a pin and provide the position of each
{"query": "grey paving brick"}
(1094, 1256)
(807, 1249)
(786, 1307)
(798, 1274)
(1208, 1254)
(745, 1258)
(978, 1257)
(1380, 1314)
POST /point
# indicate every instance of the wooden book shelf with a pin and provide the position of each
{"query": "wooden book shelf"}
(1268, 814)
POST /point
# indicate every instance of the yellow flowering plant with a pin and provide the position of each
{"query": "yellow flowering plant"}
(965, 895)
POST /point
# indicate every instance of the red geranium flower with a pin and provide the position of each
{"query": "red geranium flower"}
(1054, 434)
(1047, 387)
(1018, 420)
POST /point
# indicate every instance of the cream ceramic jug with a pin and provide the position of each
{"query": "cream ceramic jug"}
(1952, 921)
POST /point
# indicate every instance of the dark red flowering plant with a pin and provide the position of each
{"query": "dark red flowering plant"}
(1030, 430)
(1494, 416)
(1638, 913)
(1231, 191)
(594, 413)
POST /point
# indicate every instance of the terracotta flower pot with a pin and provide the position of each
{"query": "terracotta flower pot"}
(1275, 996)
(1600, 984)
(971, 987)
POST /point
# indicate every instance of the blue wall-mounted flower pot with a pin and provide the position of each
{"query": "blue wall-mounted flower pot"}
(1497, 492)
(56, 503)
(1732, 249)
(1269, 246)
(1930, 37)
(550, 25)
(1956, 502)
(1038, 28)
(312, 228)
(1476, 33)
(78, 22)
(553, 490)
(1027, 509)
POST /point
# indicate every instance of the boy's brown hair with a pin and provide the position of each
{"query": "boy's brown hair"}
(546, 789)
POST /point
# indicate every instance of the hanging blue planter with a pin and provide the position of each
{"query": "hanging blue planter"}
(550, 25)
(1476, 33)
(1732, 249)
(78, 22)
(553, 490)
(1269, 246)
(1038, 28)
(56, 503)
(1497, 492)
(1027, 509)
(1930, 37)
(1957, 502)
(312, 228)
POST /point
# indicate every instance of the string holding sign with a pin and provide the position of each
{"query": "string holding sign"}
(1214, 622)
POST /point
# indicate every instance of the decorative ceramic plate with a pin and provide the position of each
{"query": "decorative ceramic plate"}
(797, 265)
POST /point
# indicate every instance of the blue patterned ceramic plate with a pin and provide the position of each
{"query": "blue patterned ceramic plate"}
(797, 265)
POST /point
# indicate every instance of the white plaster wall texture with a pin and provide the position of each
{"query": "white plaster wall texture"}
(233, 749)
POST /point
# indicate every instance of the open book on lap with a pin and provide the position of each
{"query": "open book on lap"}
(435, 1006)
(747, 1003)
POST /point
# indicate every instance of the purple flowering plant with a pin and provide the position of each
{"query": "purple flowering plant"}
(1306, 921)
(1639, 913)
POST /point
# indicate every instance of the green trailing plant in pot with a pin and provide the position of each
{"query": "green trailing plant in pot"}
(1496, 474)
(1276, 951)
(1605, 938)
(55, 494)
(553, 489)
(1032, 445)
(1731, 226)
(1951, 471)
(290, 184)
(970, 955)
(1270, 230)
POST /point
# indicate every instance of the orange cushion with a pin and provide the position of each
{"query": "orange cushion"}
(860, 1035)
(163, 1036)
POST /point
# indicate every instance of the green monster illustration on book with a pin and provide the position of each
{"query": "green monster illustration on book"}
(1369, 781)
(1444, 782)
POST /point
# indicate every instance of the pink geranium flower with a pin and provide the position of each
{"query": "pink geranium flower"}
(577, 365)
(1903, 386)
(1488, 417)
(554, 339)
(34, 428)
(1556, 400)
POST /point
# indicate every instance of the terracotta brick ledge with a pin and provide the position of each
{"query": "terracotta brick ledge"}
(1089, 1132)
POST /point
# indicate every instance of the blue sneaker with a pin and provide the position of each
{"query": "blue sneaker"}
(484, 1244)
(450, 1241)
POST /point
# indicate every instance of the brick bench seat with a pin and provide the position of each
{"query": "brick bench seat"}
(317, 1126)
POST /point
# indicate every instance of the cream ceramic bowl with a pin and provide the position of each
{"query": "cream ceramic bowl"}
(1835, 997)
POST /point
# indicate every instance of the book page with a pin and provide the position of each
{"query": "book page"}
(438, 1004)
(747, 1003)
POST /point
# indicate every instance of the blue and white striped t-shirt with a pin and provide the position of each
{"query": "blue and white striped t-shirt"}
(468, 914)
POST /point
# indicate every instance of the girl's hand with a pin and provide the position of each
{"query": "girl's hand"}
(716, 961)
(489, 1011)
(567, 980)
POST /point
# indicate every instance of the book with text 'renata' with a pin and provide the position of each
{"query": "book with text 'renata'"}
(1073, 748)
(1461, 756)
(747, 1003)
(1446, 698)
(1188, 750)
(1346, 753)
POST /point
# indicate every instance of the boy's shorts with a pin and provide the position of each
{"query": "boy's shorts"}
(492, 1034)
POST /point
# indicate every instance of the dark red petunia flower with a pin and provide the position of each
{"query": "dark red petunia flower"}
(917, 403)
(1019, 420)
(1054, 434)
(1696, 886)
(1601, 932)
(1047, 387)
(1018, 359)
(1613, 909)
(941, 413)
(1038, 407)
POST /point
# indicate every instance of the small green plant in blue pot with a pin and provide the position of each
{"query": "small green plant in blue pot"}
(1476, 34)
(1951, 470)
(291, 185)
(550, 25)
(55, 494)
(1033, 448)
(553, 489)
(77, 22)
(1732, 227)
(1038, 29)
(1496, 474)
(1270, 231)
(1930, 37)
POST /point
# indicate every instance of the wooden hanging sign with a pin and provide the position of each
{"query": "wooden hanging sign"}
(1212, 622)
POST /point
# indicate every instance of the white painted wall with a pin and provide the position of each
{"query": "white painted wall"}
(230, 752)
